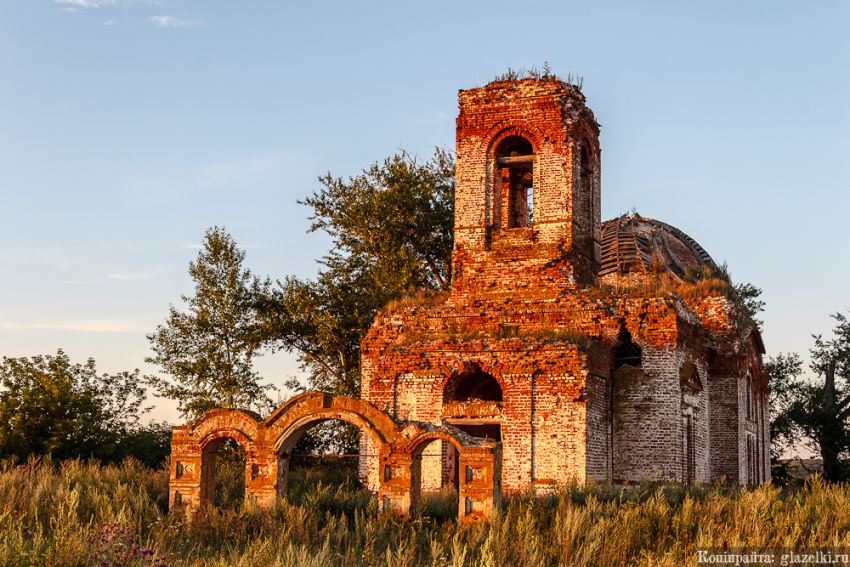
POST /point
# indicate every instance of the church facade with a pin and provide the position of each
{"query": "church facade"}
(587, 349)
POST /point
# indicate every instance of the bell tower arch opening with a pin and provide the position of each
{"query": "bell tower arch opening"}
(515, 161)
(523, 220)
(585, 219)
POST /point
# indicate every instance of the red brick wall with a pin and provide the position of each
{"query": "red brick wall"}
(525, 308)
(491, 259)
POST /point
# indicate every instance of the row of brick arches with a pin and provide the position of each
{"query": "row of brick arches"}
(268, 448)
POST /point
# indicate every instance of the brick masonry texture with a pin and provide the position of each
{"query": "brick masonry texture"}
(566, 348)
(527, 346)
(268, 446)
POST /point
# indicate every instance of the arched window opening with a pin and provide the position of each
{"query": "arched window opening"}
(689, 378)
(748, 394)
(472, 384)
(752, 461)
(224, 474)
(689, 463)
(690, 385)
(515, 159)
(627, 352)
(584, 201)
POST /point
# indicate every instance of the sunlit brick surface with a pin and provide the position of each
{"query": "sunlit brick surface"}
(544, 308)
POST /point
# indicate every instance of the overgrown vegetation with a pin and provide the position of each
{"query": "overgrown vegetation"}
(814, 411)
(206, 350)
(50, 405)
(80, 513)
(695, 285)
(534, 72)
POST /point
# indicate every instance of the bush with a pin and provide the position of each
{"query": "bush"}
(51, 406)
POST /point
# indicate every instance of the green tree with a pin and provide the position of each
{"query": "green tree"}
(396, 216)
(391, 230)
(784, 372)
(816, 411)
(50, 406)
(149, 443)
(748, 298)
(207, 350)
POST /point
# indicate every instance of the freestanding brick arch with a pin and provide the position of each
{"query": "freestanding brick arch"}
(479, 478)
(268, 444)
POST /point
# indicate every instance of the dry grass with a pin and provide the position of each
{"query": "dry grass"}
(420, 298)
(706, 284)
(87, 514)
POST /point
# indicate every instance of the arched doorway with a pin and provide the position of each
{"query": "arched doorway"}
(224, 473)
(288, 423)
(425, 500)
(472, 402)
(318, 455)
(269, 446)
(478, 489)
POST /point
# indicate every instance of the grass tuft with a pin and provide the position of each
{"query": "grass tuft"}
(79, 513)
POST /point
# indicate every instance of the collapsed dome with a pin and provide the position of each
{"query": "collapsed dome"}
(632, 244)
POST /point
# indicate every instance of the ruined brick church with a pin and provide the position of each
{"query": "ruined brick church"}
(588, 349)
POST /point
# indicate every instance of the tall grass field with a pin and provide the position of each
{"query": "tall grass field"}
(81, 513)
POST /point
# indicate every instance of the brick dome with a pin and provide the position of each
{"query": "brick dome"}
(635, 244)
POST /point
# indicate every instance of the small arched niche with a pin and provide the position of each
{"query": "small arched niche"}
(515, 161)
(689, 378)
(627, 352)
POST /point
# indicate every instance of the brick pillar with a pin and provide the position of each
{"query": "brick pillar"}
(394, 490)
(725, 424)
(261, 483)
(479, 493)
(184, 481)
(207, 488)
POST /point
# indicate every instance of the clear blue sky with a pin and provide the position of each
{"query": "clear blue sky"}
(127, 127)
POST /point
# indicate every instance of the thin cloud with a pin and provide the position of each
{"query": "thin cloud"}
(126, 325)
(172, 22)
(136, 275)
(85, 3)
(237, 171)
(73, 5)
(81, 282)
(108, 22)
(261, 172)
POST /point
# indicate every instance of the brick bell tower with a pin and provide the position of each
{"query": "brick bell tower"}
(527, 201)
